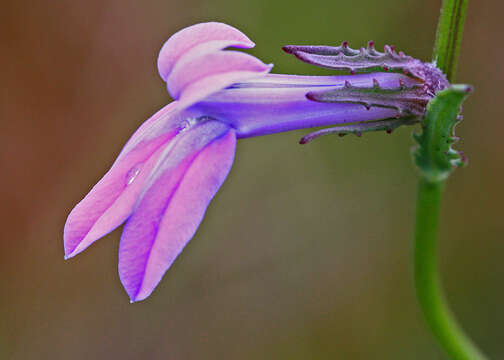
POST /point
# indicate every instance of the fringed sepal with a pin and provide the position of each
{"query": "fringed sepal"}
(406, 100)
(387, 125)
(364, 60)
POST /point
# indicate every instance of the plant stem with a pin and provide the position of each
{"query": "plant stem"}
(428, 285)
(449, 36)
(430, 295)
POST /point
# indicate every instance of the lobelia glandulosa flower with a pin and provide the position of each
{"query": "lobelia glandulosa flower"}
(168, 172)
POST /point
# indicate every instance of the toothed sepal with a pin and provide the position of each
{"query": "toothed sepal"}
(406, 100)
(368, 60)
(434, 156)
(387, 125)
(345, 58)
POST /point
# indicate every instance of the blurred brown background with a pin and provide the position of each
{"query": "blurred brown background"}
(305, 253)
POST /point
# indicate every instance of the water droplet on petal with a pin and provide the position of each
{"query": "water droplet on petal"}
(184, 125)
(132, 174)
(189, 122)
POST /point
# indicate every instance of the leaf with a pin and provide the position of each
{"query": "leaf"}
(435, 156)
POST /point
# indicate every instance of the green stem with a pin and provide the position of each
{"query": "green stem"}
(429, 290)
(449, 36)
(430, 295)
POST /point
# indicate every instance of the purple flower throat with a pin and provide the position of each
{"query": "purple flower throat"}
(170, 169)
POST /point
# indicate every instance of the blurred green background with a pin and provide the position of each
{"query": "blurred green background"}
(305, 253)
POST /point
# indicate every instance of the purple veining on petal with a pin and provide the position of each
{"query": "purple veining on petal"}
(173, 205)
(189, 37)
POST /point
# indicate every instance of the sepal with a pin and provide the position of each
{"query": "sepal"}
(364, 60)
(387, 125)
(406, 100)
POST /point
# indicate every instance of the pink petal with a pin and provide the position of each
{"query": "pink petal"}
(163, 121)
(173, 206)
(112, 199)
(195, 77)
(185, 39)
(198, 51)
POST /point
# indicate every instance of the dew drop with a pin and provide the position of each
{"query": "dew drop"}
(184, 125)
(132, 174)
(189, 122)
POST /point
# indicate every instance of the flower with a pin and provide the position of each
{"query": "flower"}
(168, 172)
